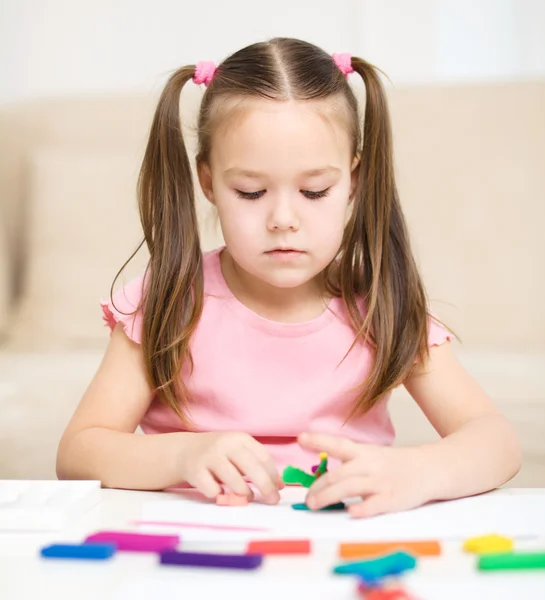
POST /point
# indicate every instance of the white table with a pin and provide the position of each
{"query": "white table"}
(23, 574)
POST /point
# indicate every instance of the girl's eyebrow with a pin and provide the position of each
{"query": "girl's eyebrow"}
(256, 175)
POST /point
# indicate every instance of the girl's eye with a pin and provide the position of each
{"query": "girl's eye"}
(307, 193)
(315, 195)
(250, 195)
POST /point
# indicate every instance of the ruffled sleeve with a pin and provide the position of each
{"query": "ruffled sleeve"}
(437, 333)
(125, 309)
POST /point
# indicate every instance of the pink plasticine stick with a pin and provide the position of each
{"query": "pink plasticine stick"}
(136, 542)
(199, 526)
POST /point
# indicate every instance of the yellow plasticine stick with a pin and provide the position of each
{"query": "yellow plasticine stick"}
(488, 544)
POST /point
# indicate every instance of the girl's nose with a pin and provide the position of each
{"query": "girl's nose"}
(283, 216)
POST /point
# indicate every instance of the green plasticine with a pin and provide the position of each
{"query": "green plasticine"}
(293, 475)
(512, 560)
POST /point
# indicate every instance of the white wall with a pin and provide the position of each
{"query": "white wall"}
(423, 41)
(50, 47)
(56, 47)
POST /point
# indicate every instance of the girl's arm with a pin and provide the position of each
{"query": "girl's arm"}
(479, 450)
(99, 442)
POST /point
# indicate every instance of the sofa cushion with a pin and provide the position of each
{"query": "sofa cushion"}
(470, 163)
(87, 123)
(5, 278)
(83, 224)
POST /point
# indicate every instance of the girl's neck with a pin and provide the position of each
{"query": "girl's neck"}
(285, 305)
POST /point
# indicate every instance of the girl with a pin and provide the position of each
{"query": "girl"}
(289, 340)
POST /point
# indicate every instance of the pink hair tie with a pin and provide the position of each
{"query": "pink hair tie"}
(344, 62)
(204, 72)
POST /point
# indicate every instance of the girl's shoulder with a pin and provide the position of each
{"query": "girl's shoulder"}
(438, 333)
(125, 305)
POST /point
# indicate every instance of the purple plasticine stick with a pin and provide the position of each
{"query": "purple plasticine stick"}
(222, 561)
(135, 542)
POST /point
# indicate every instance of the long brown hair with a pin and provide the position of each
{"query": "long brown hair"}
(375, 261)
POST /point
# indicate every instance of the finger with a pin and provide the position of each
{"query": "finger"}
(206, 484)
(337, 492)
(370, 507)
(228, 474)
(350, 469)
(336, 446)
(248, 464)
(267, 461)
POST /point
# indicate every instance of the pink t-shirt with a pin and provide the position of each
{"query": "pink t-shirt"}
(271, 380)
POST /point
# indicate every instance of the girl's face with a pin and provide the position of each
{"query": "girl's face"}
(281, 176)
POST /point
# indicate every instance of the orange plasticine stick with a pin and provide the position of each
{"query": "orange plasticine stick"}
(361, 550)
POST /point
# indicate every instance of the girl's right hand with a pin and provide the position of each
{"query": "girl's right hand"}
(216, 459)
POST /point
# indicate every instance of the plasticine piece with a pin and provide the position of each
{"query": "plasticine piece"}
(322, 467)
(79, 551)
(362, 550)
(375, 591)
(488, 544)
(266, 547)
(297, 476)
(364, 588)
(388, 594)
(231, 500)
(303, 506)
(371, 570)
(135, 542)
(368, 583)
(221, 561)
(512, 560)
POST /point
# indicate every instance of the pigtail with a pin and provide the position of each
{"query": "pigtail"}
(377, 261)
(173, 298)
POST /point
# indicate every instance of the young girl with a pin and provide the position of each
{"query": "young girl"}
(289, 340)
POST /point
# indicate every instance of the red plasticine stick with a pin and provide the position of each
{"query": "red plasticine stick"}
(265, 547)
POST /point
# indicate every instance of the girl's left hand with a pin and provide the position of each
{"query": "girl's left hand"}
(387, 479)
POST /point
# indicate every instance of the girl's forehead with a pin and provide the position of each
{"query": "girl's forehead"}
(311, 131)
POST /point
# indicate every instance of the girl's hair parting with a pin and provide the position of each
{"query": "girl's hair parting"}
(375, 261)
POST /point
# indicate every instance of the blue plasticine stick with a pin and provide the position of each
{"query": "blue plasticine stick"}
(372, 570)
(79, 551)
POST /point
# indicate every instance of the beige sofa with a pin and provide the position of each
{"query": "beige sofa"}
(471, 174)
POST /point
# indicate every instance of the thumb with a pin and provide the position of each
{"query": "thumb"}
(336, 446)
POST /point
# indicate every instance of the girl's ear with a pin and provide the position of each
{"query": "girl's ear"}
(355, 169)
(205, 180)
